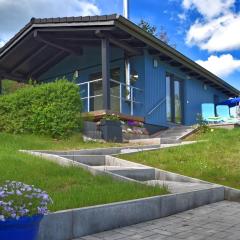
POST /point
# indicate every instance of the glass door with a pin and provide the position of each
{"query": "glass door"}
(177, 102)
(174, 99)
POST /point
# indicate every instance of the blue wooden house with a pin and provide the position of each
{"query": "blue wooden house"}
(120, 68)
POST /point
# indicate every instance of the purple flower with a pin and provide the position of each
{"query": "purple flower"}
(2, 194)
(19, 193)
(131, 123)
(19, 199)
(42, 210)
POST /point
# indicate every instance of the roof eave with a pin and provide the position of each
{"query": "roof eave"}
(29, 27)
(123, 23)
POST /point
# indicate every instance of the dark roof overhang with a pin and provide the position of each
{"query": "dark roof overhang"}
(175, 58)
(44, 42)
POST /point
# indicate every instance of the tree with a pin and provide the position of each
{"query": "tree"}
(148, 27)
(162, 35)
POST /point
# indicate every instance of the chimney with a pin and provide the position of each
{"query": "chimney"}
(125, 8)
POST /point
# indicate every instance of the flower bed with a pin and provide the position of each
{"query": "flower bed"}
(134, 127)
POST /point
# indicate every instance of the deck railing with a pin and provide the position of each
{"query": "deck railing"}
(127, 93)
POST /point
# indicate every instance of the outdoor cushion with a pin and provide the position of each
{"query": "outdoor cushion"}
(208, 113)
(224, 113)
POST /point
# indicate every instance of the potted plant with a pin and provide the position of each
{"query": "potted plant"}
(22, 207)
(111, 128)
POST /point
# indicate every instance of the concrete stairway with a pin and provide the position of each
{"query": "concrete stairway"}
(174, 134)
(142, 173)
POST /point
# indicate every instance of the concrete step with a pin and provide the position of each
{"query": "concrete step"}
(171, 135)
(181, 187)
(175, 132)
(147, 141)
(172, 131)
(136, 173)
(170, 140)
(127, 136)
(90, 160)
(179, 129)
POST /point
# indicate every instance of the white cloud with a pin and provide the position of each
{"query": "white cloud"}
(182, 16)
(220, 34)
(222, 66)
(216, 29)
(2, 43)
(15, 13)
(209, 8)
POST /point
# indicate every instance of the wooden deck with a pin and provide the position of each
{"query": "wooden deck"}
(97, 115)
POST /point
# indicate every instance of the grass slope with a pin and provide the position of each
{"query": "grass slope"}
(68, 186)
(216, 160)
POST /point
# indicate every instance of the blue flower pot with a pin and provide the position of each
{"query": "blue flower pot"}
(26, 228)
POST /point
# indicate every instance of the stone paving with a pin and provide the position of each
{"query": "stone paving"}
(214, 221)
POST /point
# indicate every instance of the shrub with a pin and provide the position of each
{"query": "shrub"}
(47, 109)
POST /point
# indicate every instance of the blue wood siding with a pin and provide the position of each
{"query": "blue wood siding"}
(193, 90)
(90, 62)
(151, 80)
(155, 91)
(195, 95)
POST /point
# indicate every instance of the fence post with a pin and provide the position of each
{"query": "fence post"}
(120, 98)
(88, 96)
(131, 96)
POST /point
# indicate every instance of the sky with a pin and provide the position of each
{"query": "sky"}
(206, 31)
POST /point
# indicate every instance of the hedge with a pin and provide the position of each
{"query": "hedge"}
(48, 109)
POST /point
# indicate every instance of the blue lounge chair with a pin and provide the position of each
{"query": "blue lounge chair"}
(208, 113)
(224, 113)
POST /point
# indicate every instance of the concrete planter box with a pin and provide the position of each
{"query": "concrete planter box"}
(111, 131)
(91, 130)
(76, 223)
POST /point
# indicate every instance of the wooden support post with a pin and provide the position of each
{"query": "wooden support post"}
(105, 74)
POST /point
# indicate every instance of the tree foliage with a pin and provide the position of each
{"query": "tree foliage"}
(162, 34)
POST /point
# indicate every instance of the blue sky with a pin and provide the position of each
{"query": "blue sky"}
(207, 31)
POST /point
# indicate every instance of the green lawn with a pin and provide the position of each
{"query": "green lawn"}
(216, 160)
(68, 186)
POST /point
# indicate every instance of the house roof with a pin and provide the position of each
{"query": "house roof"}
(44, 42)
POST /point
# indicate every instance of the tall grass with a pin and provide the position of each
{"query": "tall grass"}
(69, 187)
(216, 159)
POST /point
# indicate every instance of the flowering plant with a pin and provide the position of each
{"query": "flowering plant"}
(111, 117)
(132, 123)
(18, 199)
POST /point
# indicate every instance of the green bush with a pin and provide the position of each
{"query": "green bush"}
(48, 109)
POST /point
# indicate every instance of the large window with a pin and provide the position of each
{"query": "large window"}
(96, 103)
(115, 89)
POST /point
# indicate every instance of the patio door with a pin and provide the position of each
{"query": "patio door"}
(174, 99)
